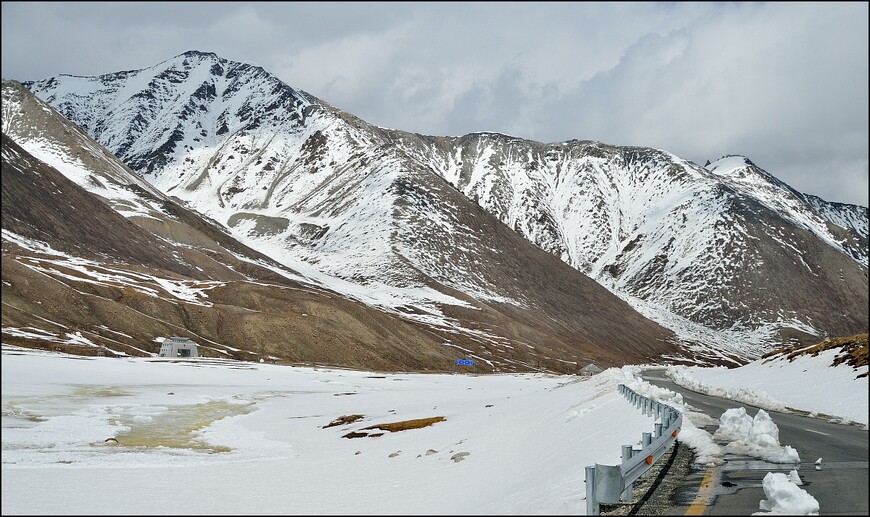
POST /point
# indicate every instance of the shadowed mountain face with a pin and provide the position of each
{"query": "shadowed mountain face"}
(27, 186)
(98, 261)
(488, 233)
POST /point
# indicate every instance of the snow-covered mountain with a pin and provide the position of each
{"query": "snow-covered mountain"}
(232, 296)
(96, 261)
(727, 248)
(731, 259)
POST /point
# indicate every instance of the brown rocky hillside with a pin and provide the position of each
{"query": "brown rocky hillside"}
(852, 351)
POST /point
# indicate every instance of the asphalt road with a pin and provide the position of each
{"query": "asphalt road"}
(840, 485)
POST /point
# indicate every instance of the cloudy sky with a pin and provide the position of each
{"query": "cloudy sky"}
(785, 84)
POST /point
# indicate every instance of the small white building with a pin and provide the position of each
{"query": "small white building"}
(178, 347)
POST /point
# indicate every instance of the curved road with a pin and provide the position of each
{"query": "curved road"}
(839, 484)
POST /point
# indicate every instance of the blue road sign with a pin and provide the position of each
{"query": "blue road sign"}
(465, 362)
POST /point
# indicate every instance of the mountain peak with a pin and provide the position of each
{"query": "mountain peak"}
(737, 167)
(194, 58)
(199, 53)
(729, 162)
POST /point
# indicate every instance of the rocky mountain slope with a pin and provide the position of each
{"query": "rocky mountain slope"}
(727, 248)
(154, 260)
(81, 278)
(730, 258)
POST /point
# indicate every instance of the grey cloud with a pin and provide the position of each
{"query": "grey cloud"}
(783, 83)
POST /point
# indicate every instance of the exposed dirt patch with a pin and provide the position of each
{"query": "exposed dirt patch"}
(392, 427)
(344, 420)
(404, 425)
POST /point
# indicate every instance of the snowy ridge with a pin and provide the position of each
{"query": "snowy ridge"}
(75, 155)
(813, 215)
(206, 96)
(847, 216)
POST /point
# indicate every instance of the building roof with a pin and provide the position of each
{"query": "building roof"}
(179, 339)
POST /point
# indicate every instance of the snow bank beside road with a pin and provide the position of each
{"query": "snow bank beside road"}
(806, 383)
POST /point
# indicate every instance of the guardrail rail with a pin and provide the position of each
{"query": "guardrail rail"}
(613, 483)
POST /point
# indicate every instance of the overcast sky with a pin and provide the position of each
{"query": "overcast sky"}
(785, 84)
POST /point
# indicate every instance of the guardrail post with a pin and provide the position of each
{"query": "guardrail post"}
(647, 441)
(627, 453)
(592, 506)
(658, 427)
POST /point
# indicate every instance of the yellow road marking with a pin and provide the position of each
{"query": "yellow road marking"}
(699, 504)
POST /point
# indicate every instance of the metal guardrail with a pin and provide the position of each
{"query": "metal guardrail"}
(613, 483)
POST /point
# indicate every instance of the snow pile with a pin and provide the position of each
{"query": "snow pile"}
(785, 497)
(707, 452)
(757, 436)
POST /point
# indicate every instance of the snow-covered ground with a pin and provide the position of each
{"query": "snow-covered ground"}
(161, 436)
(806, 383)
(224, 437)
